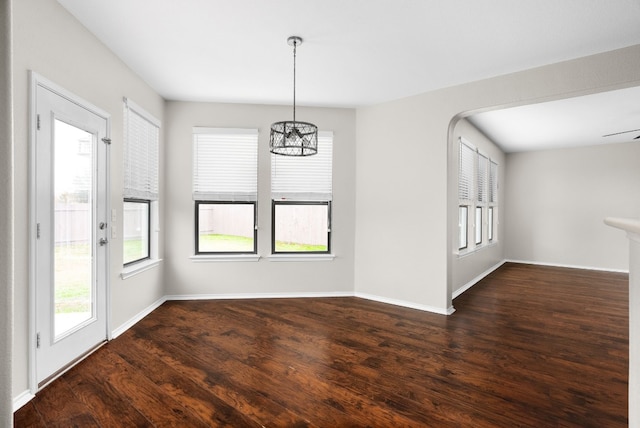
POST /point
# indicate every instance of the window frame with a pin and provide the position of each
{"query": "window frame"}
(478, 222)
(234, 182)
(197, 228)
(147, 192)
(275, 203)
(465, 228)
(490, 224)
(481, 201)
(148, 204)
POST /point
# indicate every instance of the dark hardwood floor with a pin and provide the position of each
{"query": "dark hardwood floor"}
(528, 346)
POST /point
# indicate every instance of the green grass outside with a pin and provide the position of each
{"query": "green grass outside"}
(73, 265)
(132, 250)
(230, 243)
(72, 278)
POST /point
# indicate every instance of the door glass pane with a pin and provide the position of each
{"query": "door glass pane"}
(73, 185)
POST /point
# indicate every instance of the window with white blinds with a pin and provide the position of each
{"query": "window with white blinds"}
(225, 164)
(466, 159)
(141, 147)
(306, 178)
(482, 178)
(477, 197)
(493, 182)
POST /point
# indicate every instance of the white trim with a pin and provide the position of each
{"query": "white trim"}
(139, 316)
(22, 399)
(529, 262)
(469, 251)
(301, 257)
(36, 80)
(206, 258)
(405, 304)
(475, 280)
(243, 296)
(142, 112)
(223, 131)
(134, 269)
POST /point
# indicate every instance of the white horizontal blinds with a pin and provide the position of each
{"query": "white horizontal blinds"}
(466, 157)
(141, 146)
(306, 178)
(225, 164)
(493, 182)
(483, 164)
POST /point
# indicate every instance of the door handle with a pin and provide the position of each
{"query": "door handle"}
(103, 241)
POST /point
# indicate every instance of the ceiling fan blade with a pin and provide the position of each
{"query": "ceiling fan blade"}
(623, 132)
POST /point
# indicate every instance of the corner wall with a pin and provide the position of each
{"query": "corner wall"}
(51, 42)
(402, 171)
(6, 218)
(466, 268)
(184, 276)
(557, 201)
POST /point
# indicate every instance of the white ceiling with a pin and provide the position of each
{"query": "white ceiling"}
(603, 118)
(355, 52)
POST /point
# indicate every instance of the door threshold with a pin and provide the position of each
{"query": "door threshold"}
(69, 366)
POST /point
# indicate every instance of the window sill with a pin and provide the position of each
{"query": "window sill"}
(205, 258)
(301, 257)
(465, 253)
(137, 268)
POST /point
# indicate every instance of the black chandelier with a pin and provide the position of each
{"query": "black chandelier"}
(294, 138)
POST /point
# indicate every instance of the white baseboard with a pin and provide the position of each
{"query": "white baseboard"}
(529, 262)
(258, 295)
(22, 399)
(475, 280)
(406, 304)
(127, 325)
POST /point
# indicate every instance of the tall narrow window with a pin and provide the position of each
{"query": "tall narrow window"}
(466, 156)
(141, 154)
(477, 198)
(481, 196)
(493, 200)
(463, 226)
(225, 190)
(301, 193)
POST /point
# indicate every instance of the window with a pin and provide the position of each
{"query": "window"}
(466, 156)
(481, 196)
(477, 197)
(301, 193)
(463, 226)
(478, 225)
(490, 224)
(225, 190)
(136, 231)
(493, 199)
(141, 153)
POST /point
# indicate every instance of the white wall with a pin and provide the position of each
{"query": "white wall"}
(6, 218)
(557, 200)
(403, 162)
(49, 41)
(184, 276)
(467, 267)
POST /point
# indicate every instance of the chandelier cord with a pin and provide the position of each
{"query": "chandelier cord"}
(295, 44)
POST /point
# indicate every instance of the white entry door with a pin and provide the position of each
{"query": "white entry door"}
(71, 248)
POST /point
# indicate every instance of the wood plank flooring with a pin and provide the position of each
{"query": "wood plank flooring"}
(528, 346)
